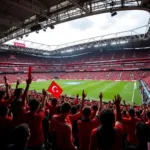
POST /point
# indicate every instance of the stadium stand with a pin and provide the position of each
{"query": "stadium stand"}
(95, 65)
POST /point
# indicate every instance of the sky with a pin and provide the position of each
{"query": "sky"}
(92, 26)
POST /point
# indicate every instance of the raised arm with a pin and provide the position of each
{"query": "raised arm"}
(17, 83)
(44, 92)
(83, 98)
(25, 95)
(7, 87)
(100, 103)
(117, 100)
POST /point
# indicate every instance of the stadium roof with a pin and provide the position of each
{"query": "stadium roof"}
(20, 17)
(118, 41)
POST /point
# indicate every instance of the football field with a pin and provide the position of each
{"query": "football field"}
(129, 90)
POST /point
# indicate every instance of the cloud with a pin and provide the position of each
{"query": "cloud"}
(92, 26)
(81, 24)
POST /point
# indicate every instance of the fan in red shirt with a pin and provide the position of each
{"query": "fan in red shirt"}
(130, 124)
(94, 111)
(5, 126)
(34, 119)
(19, 104)
(106, 136)
(62, 129)
(5, 99)
(52, 107)
(85, 127)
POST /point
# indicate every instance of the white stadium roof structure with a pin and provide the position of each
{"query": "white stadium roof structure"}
(18, 18)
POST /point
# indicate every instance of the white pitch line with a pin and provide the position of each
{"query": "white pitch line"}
(108, 86)
(133, 91)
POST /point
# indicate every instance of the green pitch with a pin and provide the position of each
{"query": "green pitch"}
(129, 91)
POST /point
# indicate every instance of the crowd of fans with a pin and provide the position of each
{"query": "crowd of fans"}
(34, 121)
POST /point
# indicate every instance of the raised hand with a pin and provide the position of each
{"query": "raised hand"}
(77, 96)
(83, 95)
(18, 82)
(29, 80)
(124, 102)
(5, 78)
(44, 92)
(101, 95)
(117, 99)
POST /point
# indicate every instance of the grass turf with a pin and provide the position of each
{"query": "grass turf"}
(129, 90)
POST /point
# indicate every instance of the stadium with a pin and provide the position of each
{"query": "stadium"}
(89, 72)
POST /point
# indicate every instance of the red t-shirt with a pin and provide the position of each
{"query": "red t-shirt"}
(63, 130)
(34, 120)
(5, 102)
(85, 128)
(130, 124)
(52, 109)
(94, 144)
(148, 122)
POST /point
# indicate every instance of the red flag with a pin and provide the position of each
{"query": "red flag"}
(55, 89)
(30, 70)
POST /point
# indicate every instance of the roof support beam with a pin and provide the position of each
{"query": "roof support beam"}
(79, 6)
(10, 23)
(27, 7)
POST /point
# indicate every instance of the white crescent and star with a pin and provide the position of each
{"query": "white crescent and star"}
(54, 89)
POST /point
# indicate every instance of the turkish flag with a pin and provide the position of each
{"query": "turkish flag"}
(30, 70)
(55, 89)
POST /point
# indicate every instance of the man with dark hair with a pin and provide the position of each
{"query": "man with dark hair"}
(52, 107)
(74, 109)
(34, 119)
(130, 124)
(85, 127)
(5, 126)
(106, 137)
(59, 109)
(61, 126)
(19, 104)
(94, 111)
(20, 137)
(3, 101)
(143, 134)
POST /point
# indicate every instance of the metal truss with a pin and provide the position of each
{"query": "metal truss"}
(110, 40)
(66, 11)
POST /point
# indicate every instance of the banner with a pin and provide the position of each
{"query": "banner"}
(19, 44)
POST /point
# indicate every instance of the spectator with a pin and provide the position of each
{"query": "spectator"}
(106, 136)
(5, 126)
(94, 111)
(61, 126)
(19, 104)
(52, 107)
(85, 126)
(20, 136)
(143, 134)
(130, 124)
(34, 118)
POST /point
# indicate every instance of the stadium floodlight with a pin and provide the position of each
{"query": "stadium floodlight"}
(44, 30)
(37, 31)
(51, 26)
(113, 13)
(26, 35)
